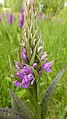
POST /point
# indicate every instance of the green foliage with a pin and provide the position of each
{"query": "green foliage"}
(15, 5)
(19, 109)
(49, 92)
(8, 47)
(54, 36)
(52, 7)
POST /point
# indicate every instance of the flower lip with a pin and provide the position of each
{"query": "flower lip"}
(47, 66)
(27, 70)
(21, 74)
(28, 80)
(17, 83)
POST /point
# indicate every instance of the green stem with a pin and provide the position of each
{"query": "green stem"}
(34, 92)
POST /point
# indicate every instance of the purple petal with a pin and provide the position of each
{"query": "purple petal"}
(35, 65)
(47, 66)
(30, 77)
(24, 50)
(28, 80)
(21, 74)
(16, 65)
(17, 84)
(21, 21)
(24, 56)
(27, 70)
(25, 82)
(20, 24)
(43, 56)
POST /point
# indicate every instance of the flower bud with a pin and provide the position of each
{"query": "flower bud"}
(21, 21)
(24, 55)
(43, 56)
(39, 49)
(35, 65)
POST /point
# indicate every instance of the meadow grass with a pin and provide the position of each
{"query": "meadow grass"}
(54, 34)
(55, 43)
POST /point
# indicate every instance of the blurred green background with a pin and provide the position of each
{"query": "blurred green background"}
(53, 25)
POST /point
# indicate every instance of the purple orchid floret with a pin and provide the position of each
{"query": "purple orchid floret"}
(26, 76)
(27, 70)
(24, 55)
(9, 20)
(43, 56)
(28, 80)
(21, 21)
(17, 65)
(25, 82)
(47, 66)
(17, 83)
(35, 65)
(21, 74)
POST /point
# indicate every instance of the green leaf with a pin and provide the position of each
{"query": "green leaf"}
(21, 93)
(20, 107)
(64, 113)
(49, 92)
(6, 113)
(33, 37)
(40, 63)
(28, 49)
(34, 53)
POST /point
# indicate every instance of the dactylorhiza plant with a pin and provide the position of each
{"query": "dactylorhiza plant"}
(33, 61)
(33, 58)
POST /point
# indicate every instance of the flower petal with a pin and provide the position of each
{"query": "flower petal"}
(17, 83)
(47, 66)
